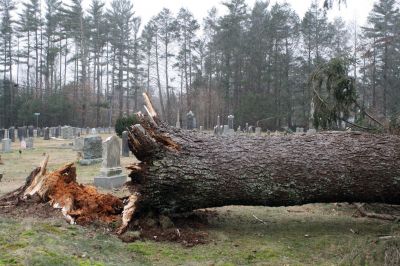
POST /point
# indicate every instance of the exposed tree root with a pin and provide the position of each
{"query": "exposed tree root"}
(78, 203)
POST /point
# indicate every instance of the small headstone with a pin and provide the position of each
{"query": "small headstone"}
(92, 150)
(311, 131)
(11, 134)
(87, 131)
(247, 128)
(93, 132)
(30, 131)
(21, 133)
(125, 146)
(6, 145)
(46, 135)
(190, 120)
(67, 132)
(111, 175)
(258, 131)
(29, 143)
(230, 121)
(57, 132)
(78, 144)
(201, 128)
(239, 129)
(35, 133)
(216, 130)
(2, 133)
(23, 144)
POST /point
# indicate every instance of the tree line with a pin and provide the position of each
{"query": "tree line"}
(87, 67)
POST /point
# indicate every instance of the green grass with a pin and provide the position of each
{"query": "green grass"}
(318, 237)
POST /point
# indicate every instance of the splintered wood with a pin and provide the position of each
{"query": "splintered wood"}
(79, 204)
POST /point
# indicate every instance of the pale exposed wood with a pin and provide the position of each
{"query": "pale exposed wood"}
(128, 212)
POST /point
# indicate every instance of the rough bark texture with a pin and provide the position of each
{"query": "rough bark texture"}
(182, 170)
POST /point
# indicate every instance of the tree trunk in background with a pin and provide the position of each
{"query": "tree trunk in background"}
(183, 170)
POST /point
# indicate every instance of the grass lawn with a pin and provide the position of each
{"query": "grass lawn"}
(320, 234)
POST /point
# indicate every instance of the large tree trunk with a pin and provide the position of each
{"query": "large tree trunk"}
(180, 171)
(183, 170)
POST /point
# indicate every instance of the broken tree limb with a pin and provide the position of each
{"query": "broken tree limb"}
(186, 170)
(380, 216)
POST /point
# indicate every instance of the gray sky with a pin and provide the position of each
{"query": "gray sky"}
(147, 8)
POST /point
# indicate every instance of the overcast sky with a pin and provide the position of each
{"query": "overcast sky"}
(147, 8)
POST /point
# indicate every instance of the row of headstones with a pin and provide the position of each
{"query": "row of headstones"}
(65, 132)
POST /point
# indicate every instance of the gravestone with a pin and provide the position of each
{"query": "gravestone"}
(230, 121)
(227, 131)
(178, 120)
(6, 145)
(11, 134)
(78, 144)
(66, 132)
(2, 133)
(23, 144)
(239, 129)
(247, 128)
(125, 146)
(258, 131)
(221, 130)
(92, 150)
(21, 133)
(57, 132)
(93, 131)
(87, 131)
(29, 143)
(35, 133)
(190, 120)
(216, 129)
(30, 131)
(201, 128)
(311, 131)
(111, 175)
(46, 135)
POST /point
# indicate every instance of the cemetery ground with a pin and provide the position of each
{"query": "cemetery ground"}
(317, 234)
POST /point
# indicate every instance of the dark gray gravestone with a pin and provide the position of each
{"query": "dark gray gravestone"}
(92, 150)
(46, 133)
(125, 146)
(30, 131)
(21, 133)
(57, 132)
(11, 134)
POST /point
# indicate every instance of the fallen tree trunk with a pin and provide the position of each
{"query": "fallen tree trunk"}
(184, 170)
(180, 171)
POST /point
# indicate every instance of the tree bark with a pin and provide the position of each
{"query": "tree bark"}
(184, 170)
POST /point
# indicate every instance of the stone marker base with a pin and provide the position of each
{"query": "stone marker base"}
(90, 161)
(110, 182)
